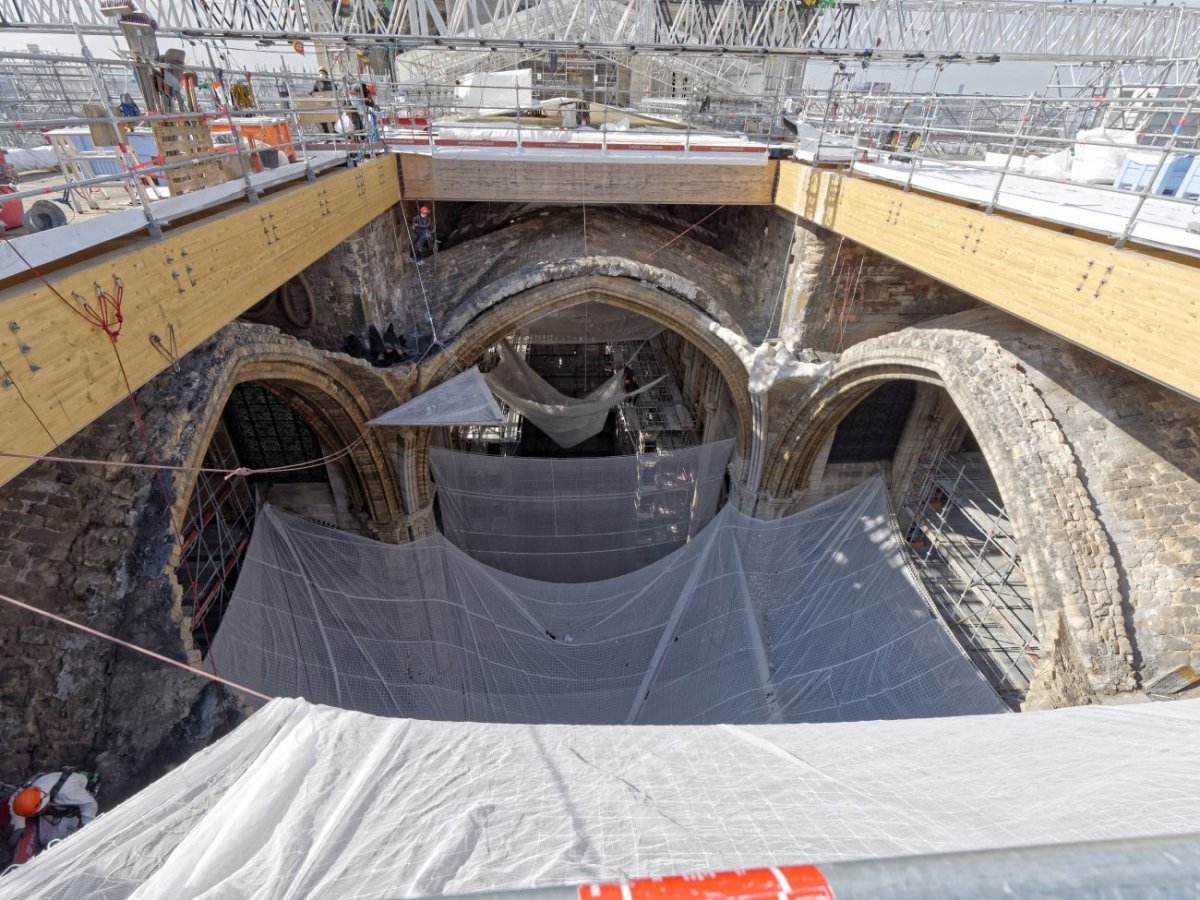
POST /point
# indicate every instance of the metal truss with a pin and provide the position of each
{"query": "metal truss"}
(950, 30)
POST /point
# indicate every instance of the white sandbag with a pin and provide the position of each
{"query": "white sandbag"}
(1000, 160)
(1099, 154)
(1056, 165)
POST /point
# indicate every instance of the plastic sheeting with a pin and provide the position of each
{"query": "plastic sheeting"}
(304, 801)
(577, 519)
(565, 420)
(461, 400)
(808, 618)
(592, 322)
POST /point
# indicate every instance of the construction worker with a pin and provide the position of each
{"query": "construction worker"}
(323, 82)
(424, 241)
(59, 803)
(323, 85)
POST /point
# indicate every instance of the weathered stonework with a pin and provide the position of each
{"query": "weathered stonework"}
(1099, 469)
(548, 237)
(95, 544)
(1068, 555)
(1137, 449)
(839, 294)
(355, 285)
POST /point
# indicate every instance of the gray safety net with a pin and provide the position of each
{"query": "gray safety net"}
(566, 420)
(461, 400)
(591, 322)
(809, 618)
(577, 519)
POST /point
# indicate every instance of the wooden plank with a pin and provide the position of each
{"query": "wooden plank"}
(447, 178)
(1134, 308)
(194, 281)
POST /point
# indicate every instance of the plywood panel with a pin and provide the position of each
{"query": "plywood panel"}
(445, 178)
(194, 281)
(1136, 309)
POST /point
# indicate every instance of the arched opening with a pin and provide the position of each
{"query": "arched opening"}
(683, 399)
(294, 435)
(959, 537)
(618, 431)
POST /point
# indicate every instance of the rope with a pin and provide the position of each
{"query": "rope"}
(212, 676)
(686, 230)
(228, 473)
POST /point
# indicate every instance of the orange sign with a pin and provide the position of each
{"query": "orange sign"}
(782, 883)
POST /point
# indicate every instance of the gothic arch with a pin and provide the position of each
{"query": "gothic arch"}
(329, 401)
(1072, 575)
(482, 324)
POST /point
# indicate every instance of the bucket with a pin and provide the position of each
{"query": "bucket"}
(12, 212)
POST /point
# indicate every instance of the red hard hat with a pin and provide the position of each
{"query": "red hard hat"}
(28, 802)
(424, 209)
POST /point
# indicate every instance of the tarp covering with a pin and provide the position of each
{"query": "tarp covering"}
(461, 400)
(310, 802)
(566, 420)
(808, 618)
(590, 322)
(577, 519)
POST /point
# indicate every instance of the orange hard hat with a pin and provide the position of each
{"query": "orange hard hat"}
(424, 209)
(28, 802)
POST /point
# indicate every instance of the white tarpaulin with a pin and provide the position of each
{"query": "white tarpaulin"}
(310, 802)
(577, 519)
(461, 400)
(809, 618)
(566, 420)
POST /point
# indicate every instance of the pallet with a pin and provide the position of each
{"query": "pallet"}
(180, 140)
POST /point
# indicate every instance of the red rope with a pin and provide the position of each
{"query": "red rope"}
(686, 230)
(108, 318)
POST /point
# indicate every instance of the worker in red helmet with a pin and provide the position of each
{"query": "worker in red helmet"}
(423, 238)
(59, 803)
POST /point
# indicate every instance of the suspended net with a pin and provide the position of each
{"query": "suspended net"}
(307, 801)
(461, 400)
(566, 420)
(577, 519)
(811, 618)
(591, 322)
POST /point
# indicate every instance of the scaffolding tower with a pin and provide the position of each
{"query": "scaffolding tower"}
(961, 542)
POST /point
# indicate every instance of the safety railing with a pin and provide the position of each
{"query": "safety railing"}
(82, 126)
(1131, 150)
(43, 98)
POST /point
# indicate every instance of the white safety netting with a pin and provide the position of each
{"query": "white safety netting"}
(577, 519)
(809, 618)
(461, 400)
(305, 801)
(566, 420)
(591, 322)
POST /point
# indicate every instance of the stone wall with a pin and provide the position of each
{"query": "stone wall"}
(840, 293)
(1099, 470)
(1137, 448)
(534, 237)
(95, 544)
(359, 283)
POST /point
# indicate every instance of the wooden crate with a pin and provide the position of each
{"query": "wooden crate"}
(180, 140)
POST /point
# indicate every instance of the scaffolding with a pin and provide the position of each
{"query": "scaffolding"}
(658, 418)
(214, 539)
(962, 544)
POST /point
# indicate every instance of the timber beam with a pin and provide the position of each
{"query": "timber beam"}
(1136, 309)
(61, 372)
(532, 180)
